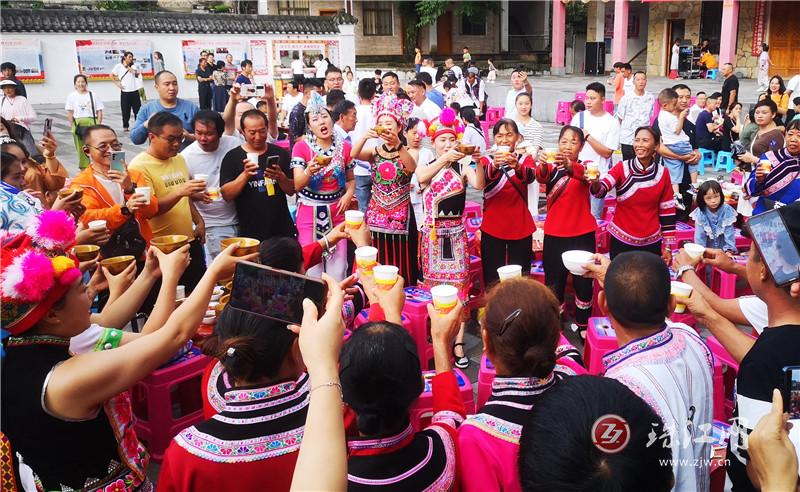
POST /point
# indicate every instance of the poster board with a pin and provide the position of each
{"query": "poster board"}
(191, 49)
(259, 54)
(27, 56)
(283, 50)
(98, 57)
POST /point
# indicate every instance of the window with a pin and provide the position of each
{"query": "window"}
(327, 12)
(473, 27)
(293, 7)
(378, 19)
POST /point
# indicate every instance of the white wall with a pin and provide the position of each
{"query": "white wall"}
(61, 62)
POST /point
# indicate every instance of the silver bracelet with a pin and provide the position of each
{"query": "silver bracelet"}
(327, 385)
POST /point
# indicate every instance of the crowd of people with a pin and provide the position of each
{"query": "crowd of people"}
(295, 407)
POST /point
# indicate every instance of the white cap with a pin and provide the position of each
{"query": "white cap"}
(6, 82)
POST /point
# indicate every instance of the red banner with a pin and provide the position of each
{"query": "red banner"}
(759, 26)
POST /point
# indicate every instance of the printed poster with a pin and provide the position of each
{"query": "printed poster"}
(26, 55)
(220, 47)
(259, 54)
(98, 57)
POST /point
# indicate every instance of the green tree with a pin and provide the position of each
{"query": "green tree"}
(423, 13)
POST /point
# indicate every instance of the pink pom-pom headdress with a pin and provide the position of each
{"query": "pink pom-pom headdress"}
(447, 122)
(388, 104)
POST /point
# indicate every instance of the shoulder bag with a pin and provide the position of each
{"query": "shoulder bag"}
(80, 131)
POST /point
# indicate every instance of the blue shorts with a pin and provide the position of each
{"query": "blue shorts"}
(676, 166)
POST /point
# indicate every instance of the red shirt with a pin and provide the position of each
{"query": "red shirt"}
(505, 201)
(569, 213)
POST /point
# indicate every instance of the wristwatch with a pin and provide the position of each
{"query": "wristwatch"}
(681, 270)
(125, 210)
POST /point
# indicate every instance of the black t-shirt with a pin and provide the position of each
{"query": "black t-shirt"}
(208, 72)
(261, 216)
(760, 372)
(730, 84)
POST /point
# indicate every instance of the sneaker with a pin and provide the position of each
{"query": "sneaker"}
(679, 202)
(462, 362)
(692, 190)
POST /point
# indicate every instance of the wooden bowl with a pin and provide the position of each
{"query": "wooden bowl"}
(86, 252)
(223, 301)
(466, 149)
(324, 160)
(246, 245)
(170, 243)
(117, 264)
(228, 287)
(69, 191)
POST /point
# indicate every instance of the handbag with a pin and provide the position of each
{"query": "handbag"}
(126, 240)
(80, 131)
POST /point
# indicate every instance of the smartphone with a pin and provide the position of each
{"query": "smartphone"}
(771, 237)
(260, 91)
(791, 391)
(273, 161)
(118, 160)
(274, 294)
(48, 126)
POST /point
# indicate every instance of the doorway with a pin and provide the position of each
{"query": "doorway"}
(710, 24)
(675, 30)
(784, 38)
(444, 34)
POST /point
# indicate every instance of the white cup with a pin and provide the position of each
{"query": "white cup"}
(694, 250)
(201, 177)
(509, 271)
(97, 225)
(353, 218)
(180, 292)
(385, 276)
(575, 260)
(145, 191)
(253, 157)
(680, 291)
(445, 298)
(366, 258)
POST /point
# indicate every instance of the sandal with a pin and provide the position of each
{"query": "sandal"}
(461, 362)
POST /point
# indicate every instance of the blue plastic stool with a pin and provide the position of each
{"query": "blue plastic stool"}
(725, 162)
(711, 73)
(707, 157)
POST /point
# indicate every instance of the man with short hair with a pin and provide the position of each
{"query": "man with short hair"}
(424, 108)
(519, 84)
(333, 79)
(431, 94)
(627, 81)
(667, 365)
(247, 73)
(634, 110)
(698, 106)
(168, 175)
(124, 75)
(730, 88)
(230, 71)
(346, 119)
(364, 122)
(761, 360)
(291, 97)
(709, 126)
(258, 189)
(320, 65)
(390, 83)
(298, 69)
(9, 71)
(204, 76)
(333, 98)
(474, 91)
(449, 65)
(168, 101)
(601, 132)
(429, 68)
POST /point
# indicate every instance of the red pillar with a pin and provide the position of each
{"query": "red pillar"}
(619, 45)
(558, 32)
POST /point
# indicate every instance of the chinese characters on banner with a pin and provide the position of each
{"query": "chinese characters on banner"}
(759, 21)
(97, 57)
(220, 47)
(27, 56)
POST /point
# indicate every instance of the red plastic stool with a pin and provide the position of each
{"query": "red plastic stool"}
(421, 410)
(472, 210)
(416, 310)
(486, 375)
(562, 113)
(600, 340)
(167, 401)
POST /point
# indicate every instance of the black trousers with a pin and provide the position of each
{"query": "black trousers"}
(205, 95)
(129, 101)
(496, 252)
(627, 152)
(617, 247)
(555, 273)
(197, 266)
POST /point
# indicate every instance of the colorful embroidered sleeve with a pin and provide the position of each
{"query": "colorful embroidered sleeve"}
(448, 407)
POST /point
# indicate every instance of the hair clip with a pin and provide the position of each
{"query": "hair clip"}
(231, 352)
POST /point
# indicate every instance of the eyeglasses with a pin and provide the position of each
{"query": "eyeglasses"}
(171, 140)
(508, 321)
(104, 147)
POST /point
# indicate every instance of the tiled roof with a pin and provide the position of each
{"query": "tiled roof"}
(95, 21)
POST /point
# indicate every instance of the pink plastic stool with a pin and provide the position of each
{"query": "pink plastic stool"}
(562, 113)
(473, 244)
(156, 398)
(422, 409)
(472, 224)
(684, 232)
(608, 106)
(282, 143)
(729, 371)
(493, 115)
(580, 96)
(472, 210)
(363, 317)
(656, 110)
(537, 270)
(742, 243)
(603, 241)
(486, 127)
(477, 287)
(486, 375)
(416, 310)
(600, 340)
(719, 390)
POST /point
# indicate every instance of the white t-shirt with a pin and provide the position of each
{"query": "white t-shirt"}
(125, 77)
(794, 87)
(321, 66)
(297, 67)
(457, 72)
(289, 102)
(634, 111)
(430, 70)
(364, 121)
(81, 104)
(755, 310)
(113, 188)
(627, 85)
(218, 213)
(511, 102)
(694, 112)
(428, 110)
(668, 123)
(605, 129)
(473, 137)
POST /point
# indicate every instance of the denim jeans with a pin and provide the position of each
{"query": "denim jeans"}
(598, 204)
(215, 234)
(363, 191)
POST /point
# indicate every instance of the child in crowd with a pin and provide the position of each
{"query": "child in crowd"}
(576, 107)
(670, 121)
(492, 71)
(414, 133)
(713, 218)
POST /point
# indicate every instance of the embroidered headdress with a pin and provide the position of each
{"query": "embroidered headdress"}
(388, 104)
(316, 104)
(447, 122)
(35, 271)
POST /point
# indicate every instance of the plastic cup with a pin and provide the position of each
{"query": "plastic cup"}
(445, 298)
(201, 177)
(253, 157)
(550, 154)
(145, 191)
(694, 250)
(353, 218)
(592, 170)
(765, 165)
(509, 271)
(680, 291)
(214, 193)
(97, 225)
(366, 258)
(180, 292)
(385, 276)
